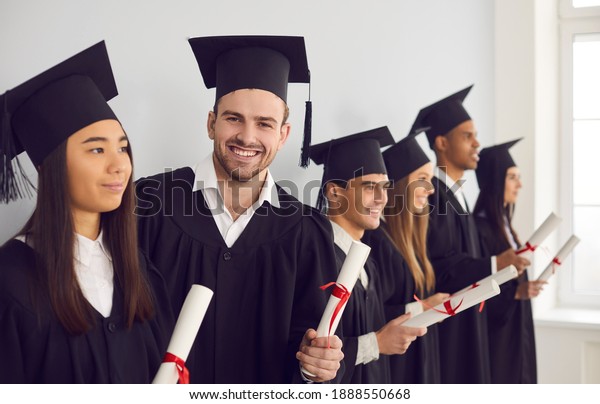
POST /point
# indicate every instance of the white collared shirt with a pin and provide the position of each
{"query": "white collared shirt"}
(206, 181)
(342, 239)
(509, 235)
(458, 192)
(95, 274)
(93, 270)
(460, 196)
(368, 348)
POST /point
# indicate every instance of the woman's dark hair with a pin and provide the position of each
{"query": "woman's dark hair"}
(490, 204)
(51, 232)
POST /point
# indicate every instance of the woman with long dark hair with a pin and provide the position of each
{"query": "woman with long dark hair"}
(510, 321)
(400, 248)
(78, 303)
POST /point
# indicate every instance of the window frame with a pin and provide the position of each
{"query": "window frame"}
(573, 21)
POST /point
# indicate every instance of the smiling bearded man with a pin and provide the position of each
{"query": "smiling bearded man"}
(227, 225)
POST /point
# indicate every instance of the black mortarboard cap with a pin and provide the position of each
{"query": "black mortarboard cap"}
(354, 155)
(43, 112)
(405, 156)
(493, 163)
(443, 116)
(351, 156)
(268, 63)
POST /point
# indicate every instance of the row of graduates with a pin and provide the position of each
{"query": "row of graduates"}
(388, 202)
(89, 291)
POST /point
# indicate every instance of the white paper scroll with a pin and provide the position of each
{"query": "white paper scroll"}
(542, 232)
(559, 257)
(455, 304)
(502, 276)
(355, 260)
(187, 326)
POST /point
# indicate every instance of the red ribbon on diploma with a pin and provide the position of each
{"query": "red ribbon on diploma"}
(184, 373)
(451, 311)
(555, 262)
(482, 304)
(341, 293)
(528, 247)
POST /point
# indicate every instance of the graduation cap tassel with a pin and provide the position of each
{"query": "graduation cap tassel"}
(305, 156)
(321, 200)
(14, 183)
(7, 175)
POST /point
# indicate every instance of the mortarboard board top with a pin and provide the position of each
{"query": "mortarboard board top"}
(343, 158)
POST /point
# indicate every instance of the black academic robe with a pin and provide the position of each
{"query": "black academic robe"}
(36, 348)
(266, 286)
(458, 261)
(510, 322)
(421, 362)
(363, 314)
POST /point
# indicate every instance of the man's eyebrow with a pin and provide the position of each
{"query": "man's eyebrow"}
(266, 118)
(227, 112)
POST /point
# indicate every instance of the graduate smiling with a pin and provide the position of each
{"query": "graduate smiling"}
(261, 251)
(354, 193)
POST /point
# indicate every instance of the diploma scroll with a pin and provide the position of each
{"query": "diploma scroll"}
(455, 304)
(542, 232)
(354, 262)
(560, 256)
(501, 277)
(187, 326)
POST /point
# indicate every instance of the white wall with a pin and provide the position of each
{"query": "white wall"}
(372, 63)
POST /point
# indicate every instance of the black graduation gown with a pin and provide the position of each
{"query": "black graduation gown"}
(35, 347)
(421, 362)
(266, 286)
(456, 256)
(510, 322)
(363, 314)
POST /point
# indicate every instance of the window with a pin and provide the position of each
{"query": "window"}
(580, 151)
(585, 3)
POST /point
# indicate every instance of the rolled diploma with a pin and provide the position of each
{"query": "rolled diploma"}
(560, 255)
(469, 299)
(187, 326)
(542, 232)
(501, 277)
(354, 262)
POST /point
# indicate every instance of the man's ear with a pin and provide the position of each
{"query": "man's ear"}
(441, 143)
(331, 190)
(284, 133)
(210, 124)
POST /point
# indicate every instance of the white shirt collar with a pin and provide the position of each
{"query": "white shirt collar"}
(441, 174)
(341, 237)
(205, 177)
(456, 190)
(343, 240)
(85, 248)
